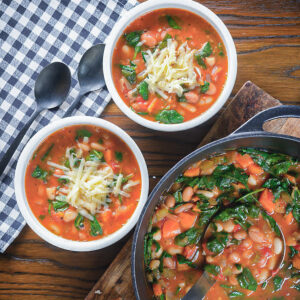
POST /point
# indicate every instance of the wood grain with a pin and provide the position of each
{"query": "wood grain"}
(116, 282)
(267, 38)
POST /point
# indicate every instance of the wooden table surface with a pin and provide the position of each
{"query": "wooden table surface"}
(267, 37)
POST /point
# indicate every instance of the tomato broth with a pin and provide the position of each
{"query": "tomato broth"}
(96, 159)
(188, 54)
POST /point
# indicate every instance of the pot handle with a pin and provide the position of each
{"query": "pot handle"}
(256, 123)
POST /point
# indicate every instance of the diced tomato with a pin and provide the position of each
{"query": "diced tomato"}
(170, 229)
(220, 277)
(255, 169)
(297, 247)
(157, 290)
(236, 228)
(244, 160)
(266, 200)
(192, 172)
(190, 251)
(266, 252)
(187, 220)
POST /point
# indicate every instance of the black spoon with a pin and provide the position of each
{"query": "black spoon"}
(90, 74)
(51, 89)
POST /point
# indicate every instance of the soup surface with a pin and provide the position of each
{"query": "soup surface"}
(83, 183)
(169, 66)
(224, 215)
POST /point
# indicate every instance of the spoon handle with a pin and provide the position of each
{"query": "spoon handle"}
(11, 150)
(73, 105)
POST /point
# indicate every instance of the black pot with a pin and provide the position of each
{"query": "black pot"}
(250, 134)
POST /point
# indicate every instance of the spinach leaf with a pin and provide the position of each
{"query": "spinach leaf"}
(39, 173)
(95, 155)
(212, 269)
(178, 196)
(80, 133)
(142, 113)
(191, 236)
(273, 163)
(133, 38)
(129, 73)
(60, 203)
(47, 152)
(181, 98)
(96, 228)
(79, 221)
(272, 222)
(143, 90)
(163, 44)
(225, 175)
(206, 50)
(277, 186)
(253, 211)
(169, 117)
(119, 156)
(182, 260)
(200, 60)
(217, 242)
(161, 259)
(238, 212)
(277, 281)
(63, 180)
(204, 88)
(206, 214)
(293, 251)
(246, 280)
(235, 294)
(172, 22)
(249, 197)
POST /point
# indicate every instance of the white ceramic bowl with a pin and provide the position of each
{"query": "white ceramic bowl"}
(28, 215)
(196, 8)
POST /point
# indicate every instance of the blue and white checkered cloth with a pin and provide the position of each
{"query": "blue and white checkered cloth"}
(34, 33)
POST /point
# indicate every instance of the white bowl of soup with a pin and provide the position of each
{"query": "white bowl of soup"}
(81, 183)
(170, 65)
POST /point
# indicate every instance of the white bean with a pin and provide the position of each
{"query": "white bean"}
(240, 235)
(187, 194)
(228, 226)
(277, 245)
(173, 250)
(154, 264)
(210, 61)
(51, 193)
(97, 146)
(70, 215)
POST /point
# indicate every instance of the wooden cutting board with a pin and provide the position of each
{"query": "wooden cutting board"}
(115, 283)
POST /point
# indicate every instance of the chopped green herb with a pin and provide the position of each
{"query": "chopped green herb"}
(277, 281)
(212, 269)
(142, 113)
(120, 199)
(40, 173)
(178, 289)
(95, 155)
(163, 44)
(172, 22)
(204, 88)
(119, 156)
(100, 141)
(96, 228)
(182, 260)
(129, 73)
(293, 251)
(42, 217)
(235, 294)
(169, 117)
(63, 180)
(47, 152)
(143, 90)
(82, 133)
(133, 38)
(246, 280)
(60, 204)
(79, 222)
(221, 51)
(49, 207)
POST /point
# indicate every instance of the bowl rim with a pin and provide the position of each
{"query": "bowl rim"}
(193, 7)
(30, 218)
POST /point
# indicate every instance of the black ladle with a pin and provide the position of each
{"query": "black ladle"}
(51, 89)
(205, 282)
(90, 74)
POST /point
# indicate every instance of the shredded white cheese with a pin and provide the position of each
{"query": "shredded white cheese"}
(170, 68)
(90, 183)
